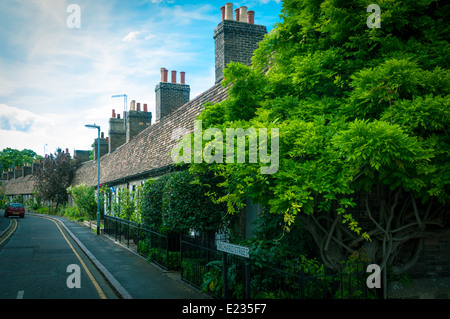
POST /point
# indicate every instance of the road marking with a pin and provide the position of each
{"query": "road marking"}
(10, 231)
(91, 277)
(20, 294)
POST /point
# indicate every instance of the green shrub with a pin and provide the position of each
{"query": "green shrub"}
(151, 202)
(213, 280)
(187, 206)
(70, 212)
(159, 255)
(194, 270)
(84, 198)
(42, 210)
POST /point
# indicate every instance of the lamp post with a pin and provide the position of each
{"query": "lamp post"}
(98, 175)
(3, 196)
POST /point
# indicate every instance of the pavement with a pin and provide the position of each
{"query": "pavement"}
(130, 275)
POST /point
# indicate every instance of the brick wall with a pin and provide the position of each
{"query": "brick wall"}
(117, 133)
(236, 41)
(169, 97)
(103, 147)
(149, 151)
(137, 121)
(434, 260)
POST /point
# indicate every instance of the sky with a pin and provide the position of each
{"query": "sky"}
(57, 76)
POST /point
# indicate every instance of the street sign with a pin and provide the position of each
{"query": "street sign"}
(233, 249)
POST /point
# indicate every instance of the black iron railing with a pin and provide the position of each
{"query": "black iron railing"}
(224, 275)
(162, 249)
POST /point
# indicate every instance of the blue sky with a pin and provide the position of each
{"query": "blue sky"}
(55, 79)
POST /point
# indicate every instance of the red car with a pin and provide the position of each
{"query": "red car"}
(15, 209)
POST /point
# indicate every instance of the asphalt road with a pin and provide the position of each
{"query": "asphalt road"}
(36, 262)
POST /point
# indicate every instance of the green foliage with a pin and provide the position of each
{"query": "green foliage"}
(124, 204)
(34, 202)
(171, 259)
(84, 198)
(71, 213)
(54, 176)
(194, 270)
(10, 158)
(151, 210)
(358, 109)
(213, 280)
(186, 204)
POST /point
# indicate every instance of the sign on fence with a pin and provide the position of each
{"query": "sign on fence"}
(233, 249)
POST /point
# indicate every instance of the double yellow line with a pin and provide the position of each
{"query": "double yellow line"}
(91, 277)
(10, 231)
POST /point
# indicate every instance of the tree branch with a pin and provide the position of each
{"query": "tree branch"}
(370, 215)
(330, 234)
(416, 212)
(411, 262)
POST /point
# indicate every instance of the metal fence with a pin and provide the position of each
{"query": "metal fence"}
(311, 283)
(202, 266)
(161, 249)
(205, 267)
(124, 231)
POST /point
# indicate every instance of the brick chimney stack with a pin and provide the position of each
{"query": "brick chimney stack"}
(174, 76)
(171, 96)
(104, 147)
(137, 120)
(164, 75)
(236, 40)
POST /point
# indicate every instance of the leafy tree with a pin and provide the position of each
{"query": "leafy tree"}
(10, 158)
(84, 198)
(54, 176)
(363, 116)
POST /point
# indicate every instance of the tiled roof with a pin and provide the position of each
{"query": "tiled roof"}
(20, 186)
(149, 151)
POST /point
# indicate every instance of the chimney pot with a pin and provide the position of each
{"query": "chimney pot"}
(164, 75)
(133, 105)
(113, 114)
(222, 13)
(251, 17)
(174, 76)
(145, 108)
(138, 107)
(243, 14)
(183, 77)
(229, 11)
(236, 14)
(103, 135)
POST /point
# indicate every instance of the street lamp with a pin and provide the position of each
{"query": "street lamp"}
(98, 175)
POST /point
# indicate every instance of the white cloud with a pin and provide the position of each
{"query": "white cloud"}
(54, 80)
(131, 36)
(50, 129)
